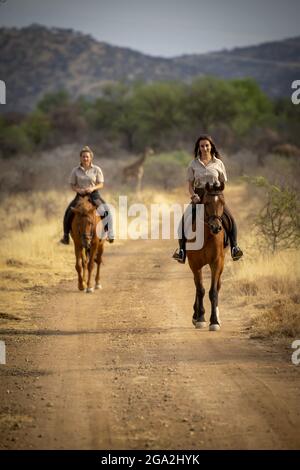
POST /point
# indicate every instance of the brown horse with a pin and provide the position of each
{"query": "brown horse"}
(211, 253)
(88, 247)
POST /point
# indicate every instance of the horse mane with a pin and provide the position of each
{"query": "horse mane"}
(84, 205)
(215, 189)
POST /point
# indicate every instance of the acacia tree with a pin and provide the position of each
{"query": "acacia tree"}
(157, 111)
(278, 222)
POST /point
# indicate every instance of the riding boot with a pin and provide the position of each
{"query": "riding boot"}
(236, 252)
(180, 253)
(68, 218)
(107, 225)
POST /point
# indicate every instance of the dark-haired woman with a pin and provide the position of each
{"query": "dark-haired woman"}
(207, 167)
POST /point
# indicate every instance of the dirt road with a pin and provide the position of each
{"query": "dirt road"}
(124, 368)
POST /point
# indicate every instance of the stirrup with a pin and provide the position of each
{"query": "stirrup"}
(65, 240)
(179, 255)
(236, 253)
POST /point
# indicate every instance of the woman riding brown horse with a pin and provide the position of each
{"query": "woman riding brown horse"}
(88, 247)
(87, 179)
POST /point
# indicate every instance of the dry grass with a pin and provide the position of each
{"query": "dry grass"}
(31, 259)
(267, 284)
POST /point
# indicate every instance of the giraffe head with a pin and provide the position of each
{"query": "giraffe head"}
(148, 151)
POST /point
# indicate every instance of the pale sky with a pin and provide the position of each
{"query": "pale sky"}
(164, 28)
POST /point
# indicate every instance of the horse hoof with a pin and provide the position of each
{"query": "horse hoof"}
(98, 286)
(199, 324)
(214, 327)
(89, 290)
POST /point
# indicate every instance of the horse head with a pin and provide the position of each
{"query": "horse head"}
(214, 202)
(86, 221)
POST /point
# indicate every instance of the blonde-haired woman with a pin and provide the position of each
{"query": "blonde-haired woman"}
(87, 178)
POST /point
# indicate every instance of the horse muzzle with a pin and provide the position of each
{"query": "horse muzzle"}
(215, 229)
(87, 241)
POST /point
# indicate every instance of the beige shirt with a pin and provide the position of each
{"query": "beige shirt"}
(85, 178)
(200, 174)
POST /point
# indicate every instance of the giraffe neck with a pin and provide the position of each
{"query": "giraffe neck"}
(142, 159)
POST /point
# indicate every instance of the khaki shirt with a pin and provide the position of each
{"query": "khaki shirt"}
(85, 178)
(200, 174)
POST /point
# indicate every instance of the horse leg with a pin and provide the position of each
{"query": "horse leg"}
(98, 261)
(216, 271)
(90, 267)
(84, 264)
(79, 269)
(199, 311)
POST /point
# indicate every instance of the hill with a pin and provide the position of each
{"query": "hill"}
(35, 60)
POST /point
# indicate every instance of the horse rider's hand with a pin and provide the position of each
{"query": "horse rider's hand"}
(195, 198)
(89, 190)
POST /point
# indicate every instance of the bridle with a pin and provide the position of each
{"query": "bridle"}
(88, 236)
(208, 219)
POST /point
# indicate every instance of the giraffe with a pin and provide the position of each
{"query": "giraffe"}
(135, 171)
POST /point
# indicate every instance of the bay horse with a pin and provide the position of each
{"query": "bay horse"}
(88, 247)
(211, 253)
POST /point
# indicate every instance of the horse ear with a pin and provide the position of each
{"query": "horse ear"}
(222, 186)
(207, 187)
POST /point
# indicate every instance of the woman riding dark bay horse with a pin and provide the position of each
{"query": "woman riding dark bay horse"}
(206, 177)
(211, 253)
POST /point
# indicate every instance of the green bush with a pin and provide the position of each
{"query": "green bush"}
(14, 140)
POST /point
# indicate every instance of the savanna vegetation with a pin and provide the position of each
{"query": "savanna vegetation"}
(165, 115)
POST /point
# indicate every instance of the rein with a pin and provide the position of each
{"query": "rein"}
(215, 216)
(93, 231)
